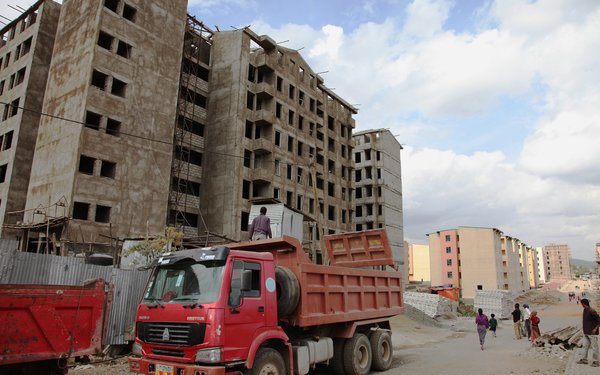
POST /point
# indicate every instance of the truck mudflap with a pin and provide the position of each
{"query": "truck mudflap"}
(152, 367)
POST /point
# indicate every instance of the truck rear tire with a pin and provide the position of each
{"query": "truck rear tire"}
(358, 355)
(268, 362)
(381, 346)
(288, 291)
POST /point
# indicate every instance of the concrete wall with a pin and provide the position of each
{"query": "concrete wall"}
(480, 259)
(137, 193)
(223, 166)
(24, 126)
(419, 255)
(379, 151)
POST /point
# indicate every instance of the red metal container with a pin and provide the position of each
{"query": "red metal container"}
(43, 322)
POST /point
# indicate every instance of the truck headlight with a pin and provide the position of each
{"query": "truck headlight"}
(212, 355)
(136, 349)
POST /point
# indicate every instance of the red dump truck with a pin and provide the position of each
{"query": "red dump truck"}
(43, 325)
(263, 307)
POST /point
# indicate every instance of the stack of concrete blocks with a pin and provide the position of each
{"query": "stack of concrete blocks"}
(495, 301)
(430, 304)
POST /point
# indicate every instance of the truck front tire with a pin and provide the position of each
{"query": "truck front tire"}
(381, 346)
(288, 291)
(268, 362)
(358, 355)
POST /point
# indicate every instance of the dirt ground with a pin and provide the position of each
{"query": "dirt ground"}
(454, 348)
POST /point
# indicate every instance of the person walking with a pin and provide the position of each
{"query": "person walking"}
(535, 326)
(591, 324)
(493, 324)
(260, 228)
(481, 320)
(516, 314)
(526, 318)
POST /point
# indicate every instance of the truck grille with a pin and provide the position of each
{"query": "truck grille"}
(169, 352)
(180, 334)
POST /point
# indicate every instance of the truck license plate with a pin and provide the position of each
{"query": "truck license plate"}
(164, 370)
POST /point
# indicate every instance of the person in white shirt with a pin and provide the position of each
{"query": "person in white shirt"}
(527, 318)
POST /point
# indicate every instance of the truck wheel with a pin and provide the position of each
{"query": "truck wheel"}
(288, 291)
(357, 355)
(337, 363)
(268, 362)
(381, 345)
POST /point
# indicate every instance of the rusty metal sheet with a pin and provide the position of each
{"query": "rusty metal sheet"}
(359, 249)
(41, 322)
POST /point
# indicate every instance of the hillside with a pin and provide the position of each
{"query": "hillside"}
(582, 263)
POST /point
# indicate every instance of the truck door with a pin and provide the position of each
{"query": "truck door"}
(246, 311)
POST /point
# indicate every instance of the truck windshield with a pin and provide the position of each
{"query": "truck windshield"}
(196, 282)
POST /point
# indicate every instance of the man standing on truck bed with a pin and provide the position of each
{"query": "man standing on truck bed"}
(260, 228)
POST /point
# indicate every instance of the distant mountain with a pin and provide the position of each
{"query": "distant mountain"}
(582, 263)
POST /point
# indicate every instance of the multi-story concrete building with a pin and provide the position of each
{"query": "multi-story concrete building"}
(541, 264)
(237, 120)
(25, 52)
(276, 134)
(558, 262)
(532, 267)
(378, 194)
(105, 149)
(474, 259)
(418, 261)
(443, 257)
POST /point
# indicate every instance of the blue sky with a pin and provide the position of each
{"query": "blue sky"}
(495, 102)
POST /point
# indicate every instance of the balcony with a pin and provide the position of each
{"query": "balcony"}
(262, 175)
(262, 146)
(195, 83)
(266, 61)
(191, 170)
(264, 90)
(263, 116)
(195, 112)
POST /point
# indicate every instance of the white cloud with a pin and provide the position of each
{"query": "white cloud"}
(542, 53)
(425, 17)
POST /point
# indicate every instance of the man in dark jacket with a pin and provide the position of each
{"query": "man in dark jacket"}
(517, 318)
(591, 324)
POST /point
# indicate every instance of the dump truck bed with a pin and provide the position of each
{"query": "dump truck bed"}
(336, 294)
(40, 322)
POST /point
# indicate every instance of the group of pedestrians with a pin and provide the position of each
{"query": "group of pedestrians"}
(526, 323)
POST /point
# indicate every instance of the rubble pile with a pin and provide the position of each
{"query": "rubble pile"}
(564, 338)
(430, 304)
(494, 301)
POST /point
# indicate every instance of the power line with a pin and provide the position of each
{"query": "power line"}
(170, 143)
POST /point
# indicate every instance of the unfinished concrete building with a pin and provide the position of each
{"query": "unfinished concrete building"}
(558, 262)
(276, 134)
(378, 194)
(104, 149)
(144, 129)
(25, 52)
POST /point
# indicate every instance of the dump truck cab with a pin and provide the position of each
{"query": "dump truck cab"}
(207, 306)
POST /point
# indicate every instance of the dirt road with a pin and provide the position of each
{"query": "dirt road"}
(454, 350)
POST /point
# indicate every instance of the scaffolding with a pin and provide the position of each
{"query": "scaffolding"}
(184, 195)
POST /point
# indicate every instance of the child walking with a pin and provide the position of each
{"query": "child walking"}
(493, 324)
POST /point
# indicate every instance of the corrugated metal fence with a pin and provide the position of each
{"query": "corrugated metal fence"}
(29, 268)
